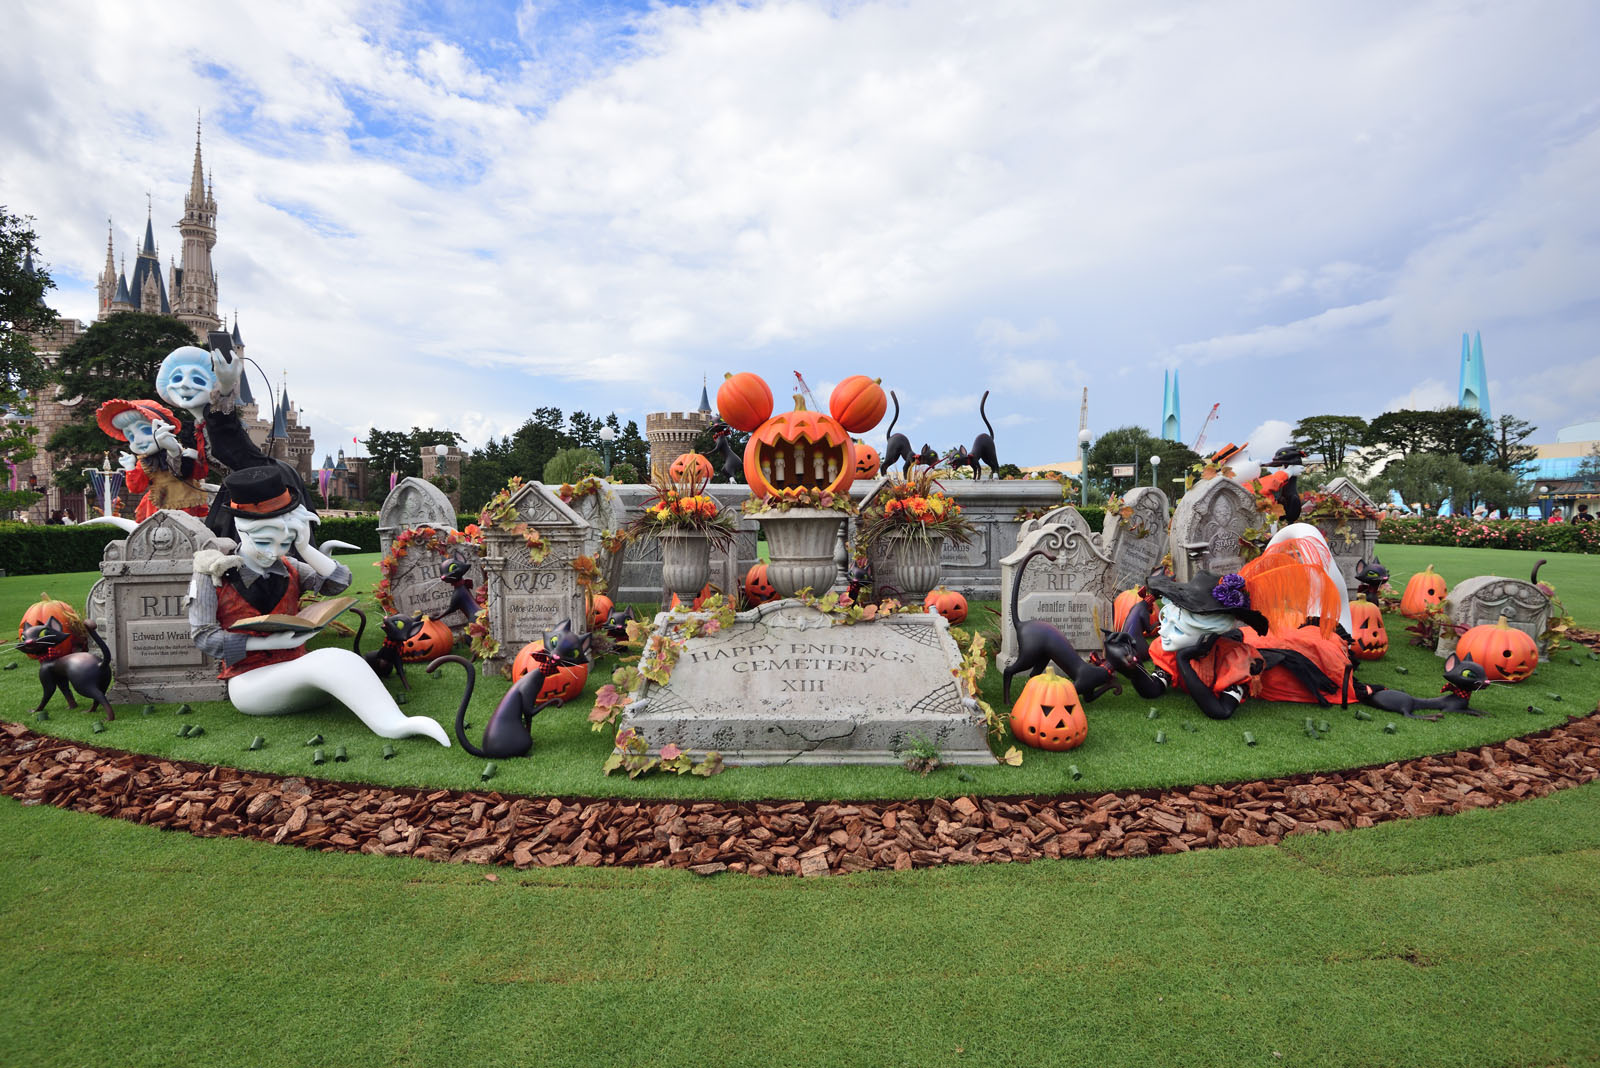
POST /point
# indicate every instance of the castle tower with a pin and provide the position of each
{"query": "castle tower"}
(671, 434)
(194, 285)
(1474, 387)
(146, 290)
(106, 284)
(1171, 429)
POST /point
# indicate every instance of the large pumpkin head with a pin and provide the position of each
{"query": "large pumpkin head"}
(1506, 653)
(433, 640)
(1426, 589)
(867, 460)
(689, 473)
(50, 629)
(758, 589)
(1369, 640)
(563, 679)
(744, 401)
(948, 603)
(801, 449)
(1048, 714)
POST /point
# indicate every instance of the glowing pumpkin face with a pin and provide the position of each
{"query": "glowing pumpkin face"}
(690, 472)
(1426, 589)
(867, 460)
(1049, 715)
(1506, 653)
(50, 629)
(1370, 640)
(694, 606)
(563, 680)
(800, 449)
(758, 589)
(948, 603)
(432, 640)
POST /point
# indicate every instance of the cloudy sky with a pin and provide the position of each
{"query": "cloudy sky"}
(450, 213)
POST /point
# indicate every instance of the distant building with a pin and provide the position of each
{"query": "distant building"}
(1473, 391)
(671, 434)
(1170, 416)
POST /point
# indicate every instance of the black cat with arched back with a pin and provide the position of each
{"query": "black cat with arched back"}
(1370, 578)
(89, 674)
(982, 451)
(462, 597)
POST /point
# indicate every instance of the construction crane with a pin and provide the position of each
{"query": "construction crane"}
(1201, 440)
(811, 401)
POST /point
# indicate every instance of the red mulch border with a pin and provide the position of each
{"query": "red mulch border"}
(778, 837)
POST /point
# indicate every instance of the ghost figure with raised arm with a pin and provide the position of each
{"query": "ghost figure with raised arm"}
(272, 674)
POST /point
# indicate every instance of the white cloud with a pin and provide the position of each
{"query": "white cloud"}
(1287, 340)
(1425, 395)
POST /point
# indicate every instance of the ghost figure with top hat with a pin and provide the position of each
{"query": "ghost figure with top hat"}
(156, 464)
(271, 674)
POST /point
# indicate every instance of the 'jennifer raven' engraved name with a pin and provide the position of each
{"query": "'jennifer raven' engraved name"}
(802, 656)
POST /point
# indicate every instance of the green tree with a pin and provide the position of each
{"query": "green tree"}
(484, 472)
(22, 313)
(1463, 433)
(1127, 444)
(1509, 433)
(1590, 467)
(1427, 478)
(1329, 437)
(633, 448)
(1406, 431)
(400, 451)
(115, 357)
(1493, 488)
(569, 465)
(536, 441)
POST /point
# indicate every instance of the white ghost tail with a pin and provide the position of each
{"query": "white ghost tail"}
(125, 525)
(340, 674)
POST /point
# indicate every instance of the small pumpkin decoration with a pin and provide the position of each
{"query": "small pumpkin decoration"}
(744, 400)
(433, 640)
(1426, 589)
(600, 607)
(690, 472)
(1048, 714)
(948, 603)
(67, 620)
(858, 403)
(1506, 653)
(758, 589)
(867, 460)
(562, 680)
(1370, 641)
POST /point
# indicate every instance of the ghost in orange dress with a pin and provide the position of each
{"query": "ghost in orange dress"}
(156, 463)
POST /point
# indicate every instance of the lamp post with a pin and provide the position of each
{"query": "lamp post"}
(608, 434)
(105, 472)
(1155, 470)
(1544, 502)
(1083, 467)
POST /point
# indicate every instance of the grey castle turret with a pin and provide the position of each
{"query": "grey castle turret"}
(671, 434)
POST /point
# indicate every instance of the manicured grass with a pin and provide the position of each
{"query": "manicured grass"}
(1465, 940)
(1574, 576)
(1121, 751)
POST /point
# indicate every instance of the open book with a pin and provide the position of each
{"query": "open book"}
(313, 617)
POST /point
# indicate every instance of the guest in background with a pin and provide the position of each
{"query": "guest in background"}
(1583, 515)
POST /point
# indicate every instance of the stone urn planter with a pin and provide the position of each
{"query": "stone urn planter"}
(685, 563)
(800, 548)
(913, 562)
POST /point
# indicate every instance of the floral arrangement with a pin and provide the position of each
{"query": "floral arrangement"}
(799, 497)
(498, 513)
(1229, 591)
(420, 539)
(483, 644)
(1492, 534)
(673, 511)
(914, 506)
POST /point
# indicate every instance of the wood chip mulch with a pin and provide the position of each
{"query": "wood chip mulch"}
(805, 838)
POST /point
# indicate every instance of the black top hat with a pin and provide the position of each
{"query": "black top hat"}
(259, 493)
(1209, 594)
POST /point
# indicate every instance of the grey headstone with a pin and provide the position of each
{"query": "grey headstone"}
(140, 606)
(784, 684)
(527, 600)
(1065, 516)
(1207, 526)
(413, 503)
(606, 512)
(1352, 540)
(1486, 598)
(1136, 544)
(1071, 591)
(416, 586)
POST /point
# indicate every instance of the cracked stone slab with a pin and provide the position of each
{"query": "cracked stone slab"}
(786, 684)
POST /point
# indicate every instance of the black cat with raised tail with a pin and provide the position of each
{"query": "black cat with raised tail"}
(89, 674)
(462, 597)
(509, 731)
(397, 630)
(1370, 578)
(982, 448)
(1040, 643)
(898, 449)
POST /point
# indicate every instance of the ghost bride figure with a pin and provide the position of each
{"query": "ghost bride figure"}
(273, 674)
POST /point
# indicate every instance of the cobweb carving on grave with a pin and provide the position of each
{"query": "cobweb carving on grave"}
(921, 634)
(938, 700)
(665, 700)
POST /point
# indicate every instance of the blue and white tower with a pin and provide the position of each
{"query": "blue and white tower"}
(1170, 430)
(1474, 389)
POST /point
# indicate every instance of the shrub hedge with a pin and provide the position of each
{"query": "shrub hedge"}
(1468, 533)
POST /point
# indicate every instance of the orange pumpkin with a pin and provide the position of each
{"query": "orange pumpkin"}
(690, 472)
(433, 640)
(1426, 589)
(1048, 714)
(744, 400)
(867, 460)
(67, 620)
(1370, 640)
(948, 603)
(1506, 653)
(785, 451)
(561, 680)
(858, 403)
(599, 610)
(758, 589)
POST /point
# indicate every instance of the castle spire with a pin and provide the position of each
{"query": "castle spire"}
(197, 188)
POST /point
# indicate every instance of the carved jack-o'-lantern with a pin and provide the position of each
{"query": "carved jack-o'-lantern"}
(1506, 653)
(1370, 640)
(758, 589)
(1048, 714)
(433, 640)
(690, 472)
(1426, 589)
(50, 617)
(599, 610)
(948, 603)
(562, 679)
(867, 460)
(800, 449)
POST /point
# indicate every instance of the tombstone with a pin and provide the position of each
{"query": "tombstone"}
(1066, 515)
(1074, 591)
(1210, 520)
(413, 503)
(141, 607)
(416, 586)
(1352, 538)
(605, 512)
(1486, 598)
(1136, 543)
(785, 685)
(526, 599)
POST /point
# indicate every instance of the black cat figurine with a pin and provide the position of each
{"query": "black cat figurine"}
(1125, 655)
(1370, 578)
(982, 451)
(89, 674)
(616, 625)
(462, 597)
(732, 457)
(898, 449)
(397, 630)
(1463, 677)
(509, 732)
(563, 644)
(1040, 643)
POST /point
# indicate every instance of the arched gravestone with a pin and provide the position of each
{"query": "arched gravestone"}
(1066, 516)
(141, 607)
(413, 503)
(1486, 598)
(1074, 591)
(1210, 520)
(526, 600)
(416, 585)
(1137, 542)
